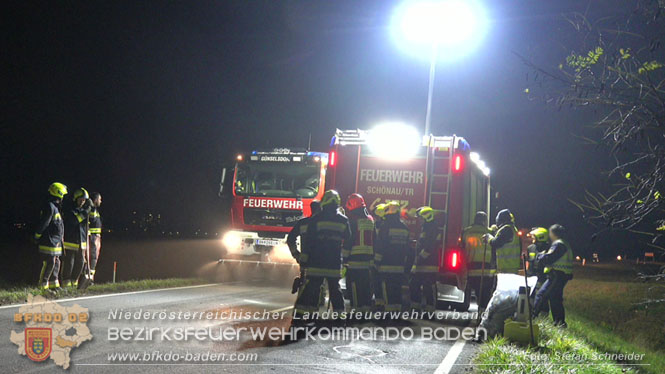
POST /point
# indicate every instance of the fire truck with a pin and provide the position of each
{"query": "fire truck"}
(393, 163)
(270, 191)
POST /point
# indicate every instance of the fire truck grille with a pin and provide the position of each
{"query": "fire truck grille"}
(272, 217)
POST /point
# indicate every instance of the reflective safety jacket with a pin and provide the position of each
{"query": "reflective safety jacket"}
(476, 253)
(559, 257)
(50, 229)
(95, 221)
(359, 251)
(391, 248)
(327, 232)
(76, 228)
(508, 249)
(427, 251)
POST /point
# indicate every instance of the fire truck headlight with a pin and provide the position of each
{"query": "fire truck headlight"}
(394, 140)
(232, 241)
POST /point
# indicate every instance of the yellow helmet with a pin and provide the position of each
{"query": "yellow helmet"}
(392, 207)
(540, 234)
(331, 197)
(58, 190)
(81, 192)
(380, 210)
(425, 213)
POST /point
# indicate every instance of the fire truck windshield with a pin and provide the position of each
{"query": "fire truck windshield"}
(278, 179)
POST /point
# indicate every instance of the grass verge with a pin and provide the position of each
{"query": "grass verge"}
(19, 294)
(560, 351)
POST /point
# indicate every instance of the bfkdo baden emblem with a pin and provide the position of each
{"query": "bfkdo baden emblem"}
(38, 343)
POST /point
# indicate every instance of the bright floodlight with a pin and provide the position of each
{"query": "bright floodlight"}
(394, 140)
(453, 27)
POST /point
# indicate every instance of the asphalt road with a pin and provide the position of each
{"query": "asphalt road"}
(414, 355)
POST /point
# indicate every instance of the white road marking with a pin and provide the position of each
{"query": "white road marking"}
(115, 294)
(448, 361)
(281, 309)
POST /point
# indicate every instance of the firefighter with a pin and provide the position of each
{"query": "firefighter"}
(321, 256)
(76, 237)
(379, 216)
(95, 232)
(557, 265)
(506, 245)
(479, 259)
(391, 250)
(49, 234)
(358, 253)
(300, 230)
(540, 245)
(425, 267)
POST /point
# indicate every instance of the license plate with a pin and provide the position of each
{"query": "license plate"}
(268, 242)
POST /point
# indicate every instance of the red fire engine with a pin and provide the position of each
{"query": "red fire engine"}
(270, 191)
(393, 163)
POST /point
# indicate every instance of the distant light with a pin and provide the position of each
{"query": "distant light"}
(317, 158)
(394, 141)
(456, 27)
(520, 233)
(239, 157)
(619, 258)
(333, 158)
(578, 258)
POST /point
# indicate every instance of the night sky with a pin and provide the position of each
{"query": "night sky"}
(145, 101)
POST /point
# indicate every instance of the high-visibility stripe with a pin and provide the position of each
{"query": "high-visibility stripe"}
(424, 269)
(390, 269)
(322, 272)
(398, 236)
(331, 226)
(378, 257)
(424, 254)
(354, 293)
(79, 217)
(50, 250)
(57, 216)
(38, 236)
(346, 253)
(95, 230)
(94, 214)
(70, 245)
(359, 264)
(362, 250)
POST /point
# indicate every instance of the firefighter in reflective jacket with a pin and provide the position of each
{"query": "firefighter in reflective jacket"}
(540, 245)
(76, 237)
(321, 256)
(391, 250)
(300, 230)
(48, 236)
(425, 267)
(379, 219)
(557, 265)
(358, 254)
(479, 259)
(506, 245)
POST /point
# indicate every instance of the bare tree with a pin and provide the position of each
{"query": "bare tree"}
(615, 66)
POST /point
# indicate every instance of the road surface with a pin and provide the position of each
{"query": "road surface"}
(414, 355)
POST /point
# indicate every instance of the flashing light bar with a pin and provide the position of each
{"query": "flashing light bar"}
(333, 158)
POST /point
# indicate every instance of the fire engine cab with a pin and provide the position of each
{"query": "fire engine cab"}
(393, 163)
(270, 191)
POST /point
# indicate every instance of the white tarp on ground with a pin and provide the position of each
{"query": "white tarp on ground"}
(503, 303)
